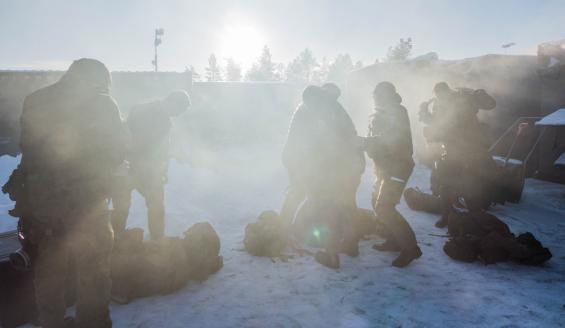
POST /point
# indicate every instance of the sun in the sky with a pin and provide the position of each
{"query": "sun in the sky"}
(241, 40)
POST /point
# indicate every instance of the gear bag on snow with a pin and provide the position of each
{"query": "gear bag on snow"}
(482, 236)
(266, 236)
(421, 201)
(141, 269)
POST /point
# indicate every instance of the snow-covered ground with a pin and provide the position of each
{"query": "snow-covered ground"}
(367, 291)
(7, 164)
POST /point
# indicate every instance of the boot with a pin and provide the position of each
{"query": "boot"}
(328, 260)
(388, 246)
(407, 256)
(401, 234)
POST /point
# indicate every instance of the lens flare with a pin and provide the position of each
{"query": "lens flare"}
(316, 233)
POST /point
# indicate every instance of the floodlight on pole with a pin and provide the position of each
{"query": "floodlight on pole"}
(159, 34)
(507, 45)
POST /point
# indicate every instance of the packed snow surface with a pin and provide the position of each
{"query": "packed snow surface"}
(434, 291)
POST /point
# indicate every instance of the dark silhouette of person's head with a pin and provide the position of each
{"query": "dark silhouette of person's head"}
(176, 103)
(332, 90)
(314, 97)
(88, 73)
(442, 90)
(385, 94)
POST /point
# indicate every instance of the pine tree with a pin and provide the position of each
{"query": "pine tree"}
(320, 73)
(302, 67)
(263, 69)
(280, 72)
(401, 51)
(213, 72)
(339, 68)
(233, 71)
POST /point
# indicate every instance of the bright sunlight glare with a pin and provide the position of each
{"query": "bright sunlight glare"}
(242, 41)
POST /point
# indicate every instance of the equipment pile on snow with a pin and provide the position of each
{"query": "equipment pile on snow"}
(482, 236)
(141, 269)
(266, 236)
(421, 201)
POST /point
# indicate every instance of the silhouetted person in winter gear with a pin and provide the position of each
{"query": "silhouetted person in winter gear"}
(317, 156)
(303, 142)
(389, 145)
(465, 167)
(350, 150)
(150, 127)
(72, 140)
(439, 117)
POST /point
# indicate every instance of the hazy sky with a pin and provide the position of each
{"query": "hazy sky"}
(41, 34)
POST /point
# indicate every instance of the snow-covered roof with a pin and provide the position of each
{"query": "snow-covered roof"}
(556, 118)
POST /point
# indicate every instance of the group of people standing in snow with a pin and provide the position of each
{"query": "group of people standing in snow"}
(78, 153)
(325, 159)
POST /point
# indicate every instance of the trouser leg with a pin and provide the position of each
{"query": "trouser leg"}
(334, 216)
(350, 191)
(434, 179)
(449, 176)
(477, 191)
(50, 269)
(447, 198)
(377, 184)
(93, 245)
(399, 231)
(149, 181)
(381, 227)
(294, 197)
(119, 220)
(155, 200)
(333, 243)
(121, 203)
(353, 227)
